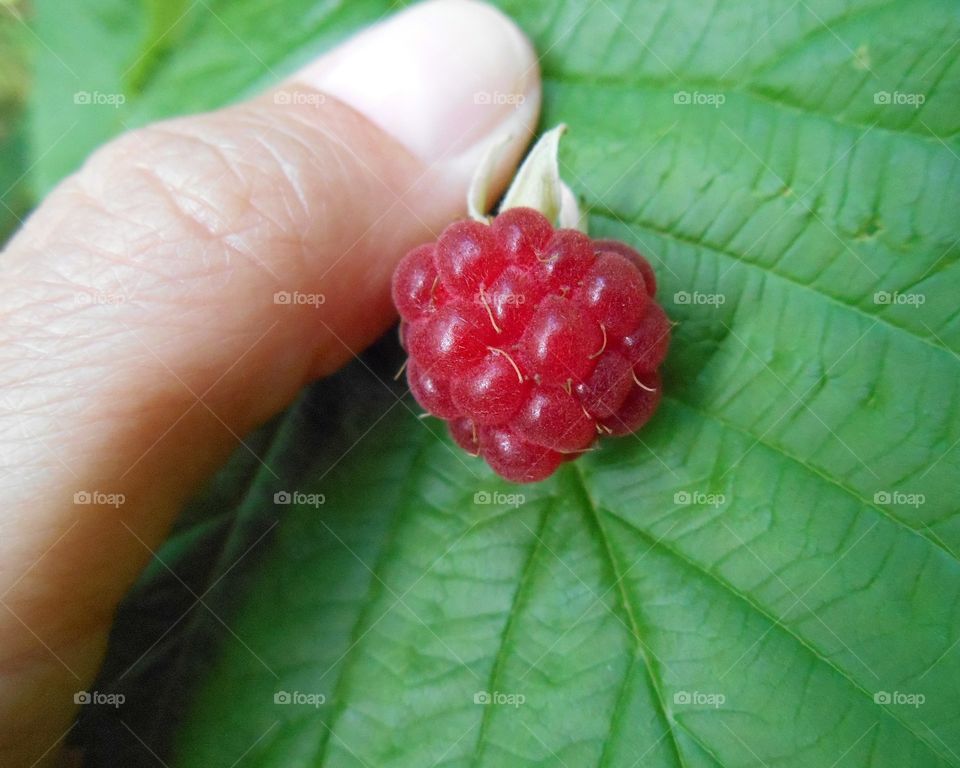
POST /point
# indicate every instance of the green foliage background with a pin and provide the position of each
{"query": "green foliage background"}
(828, 576)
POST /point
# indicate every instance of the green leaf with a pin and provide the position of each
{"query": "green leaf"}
(80, 99)
(768, 574)
(14, 196)
(213, 52)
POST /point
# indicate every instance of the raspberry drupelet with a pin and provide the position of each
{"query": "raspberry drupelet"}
(530, 341)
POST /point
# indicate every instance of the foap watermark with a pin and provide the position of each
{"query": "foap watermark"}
(296, 298)
(499, 498)
(914, 700)
(899, 499)
(699, 99)
(98, 298)
(899, 99)
(499, 299)
(99, 99)
(300, 698)
(294, 98)
(698, 298)
(85, 498)
(897, 298)
(699, 699)
(499, 698)
(699, 498)
(498, 98)
(98, 698)
(299, 498)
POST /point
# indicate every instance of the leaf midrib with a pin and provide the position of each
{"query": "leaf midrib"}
(576, 472)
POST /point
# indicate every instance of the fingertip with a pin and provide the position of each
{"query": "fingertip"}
(445, 78)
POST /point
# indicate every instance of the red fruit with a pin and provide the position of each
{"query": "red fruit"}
(530, 341)
(512, 299)
(431, 391)
(615, 246)
(646, 347)
(467, 257)
(606, 389)
(556, 420)
(414, 283)
(447, 341)
(561, 342)
(637, 409)
(568, 256)
(464, 433)
(490, 391)
(614, 294)
(515, 459)
(522, 234)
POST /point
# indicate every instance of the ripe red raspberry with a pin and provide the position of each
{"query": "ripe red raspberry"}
(530, 341)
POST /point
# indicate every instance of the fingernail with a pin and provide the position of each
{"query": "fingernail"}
(441, 77)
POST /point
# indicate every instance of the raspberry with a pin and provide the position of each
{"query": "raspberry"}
(637, 409)
(447, 339)
(560, 343)
(415, 282)
(490, 391)
(523, 234)
(467, 256)
(615, 246)
(604, 391)
(512, 457)
(646, 347)
(464, 433)
(512, 298)
(614, 294)
(530, 341)
(553, 419)
(432, 392)
(565, 259)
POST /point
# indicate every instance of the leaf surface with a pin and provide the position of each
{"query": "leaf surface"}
(768, 574)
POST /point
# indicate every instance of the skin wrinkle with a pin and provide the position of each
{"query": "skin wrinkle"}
(195, 223)
(289, 171)
(135, 262)
(116, 207)
(70, 311)
(119, 385)
(188, 224)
